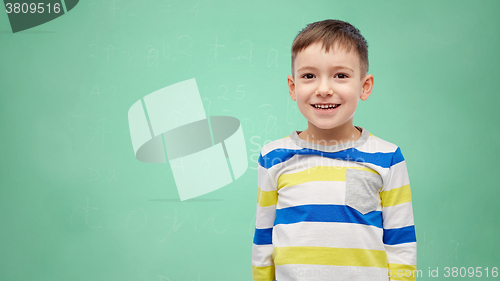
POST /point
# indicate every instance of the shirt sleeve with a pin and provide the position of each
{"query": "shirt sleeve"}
(399, 229)
(262, 250)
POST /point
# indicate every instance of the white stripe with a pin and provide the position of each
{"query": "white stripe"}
(326, 234)
(296, 272)
(383, 172)
(262, 255)
(402, 253)
(284, 143)
(313, 192)
(398, 177)
(265, 216)
(301, 162)
(398, 216)
(375, 144)
(264, 181)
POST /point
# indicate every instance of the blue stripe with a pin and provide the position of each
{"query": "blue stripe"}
(398, 157)
(400, 235)
(327, 213)
(263, 236)
(382, 159)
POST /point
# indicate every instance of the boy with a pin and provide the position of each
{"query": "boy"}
(334, 201)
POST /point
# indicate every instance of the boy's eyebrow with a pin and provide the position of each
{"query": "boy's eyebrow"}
(335, 67)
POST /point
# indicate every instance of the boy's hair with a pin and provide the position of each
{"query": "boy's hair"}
(333, 33)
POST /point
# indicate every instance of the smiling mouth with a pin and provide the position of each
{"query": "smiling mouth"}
(325, 106)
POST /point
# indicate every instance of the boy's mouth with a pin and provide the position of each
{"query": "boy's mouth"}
(325, 106)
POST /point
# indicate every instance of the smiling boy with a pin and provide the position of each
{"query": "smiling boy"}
(334, 201)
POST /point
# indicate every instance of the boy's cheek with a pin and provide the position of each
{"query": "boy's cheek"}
(303, 89)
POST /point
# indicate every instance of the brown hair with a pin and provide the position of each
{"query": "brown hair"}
(333, 33)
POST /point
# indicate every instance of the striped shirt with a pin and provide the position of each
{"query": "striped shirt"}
(338, 212)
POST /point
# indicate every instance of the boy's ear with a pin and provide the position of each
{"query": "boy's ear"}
(367, 87)
(291, 88)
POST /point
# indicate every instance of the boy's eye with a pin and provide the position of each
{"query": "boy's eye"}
(343, 75)
(308, 76)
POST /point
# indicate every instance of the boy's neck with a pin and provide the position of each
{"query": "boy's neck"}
(330, 137)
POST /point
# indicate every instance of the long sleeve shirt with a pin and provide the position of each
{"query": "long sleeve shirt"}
(338, 212)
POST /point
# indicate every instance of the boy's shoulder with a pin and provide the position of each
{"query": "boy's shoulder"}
(279, 144)
(377, 144)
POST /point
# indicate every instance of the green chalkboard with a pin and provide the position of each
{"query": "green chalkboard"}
(76, 204)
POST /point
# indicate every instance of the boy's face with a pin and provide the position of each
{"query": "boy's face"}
(332, 79)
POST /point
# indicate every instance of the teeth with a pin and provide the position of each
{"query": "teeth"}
(325, 105)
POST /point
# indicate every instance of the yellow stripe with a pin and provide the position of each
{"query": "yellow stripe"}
(396, 196)
(329, 256)
(318, 173)
(370, 134)
(403, 270)
(263, 273)
(266, 198)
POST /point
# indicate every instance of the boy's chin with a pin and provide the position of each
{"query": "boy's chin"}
(326, 127)
(323, 127)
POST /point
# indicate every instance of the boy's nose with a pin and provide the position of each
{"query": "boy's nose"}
(324, 89)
